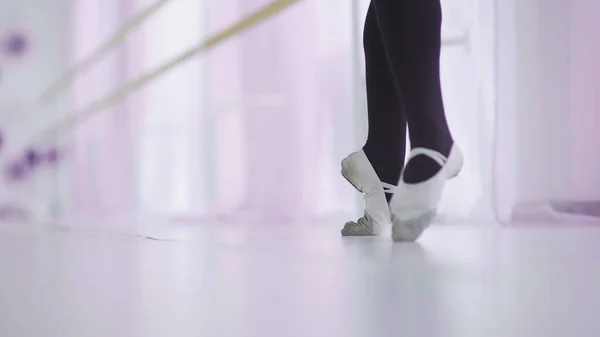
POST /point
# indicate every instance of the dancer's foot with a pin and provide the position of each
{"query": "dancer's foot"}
(359, 172)
(414, 205)
(421, 167)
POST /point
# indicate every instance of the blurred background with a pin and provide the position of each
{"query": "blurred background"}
(255, 128)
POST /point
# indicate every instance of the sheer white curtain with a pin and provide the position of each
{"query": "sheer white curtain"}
(288, 164)
(170, 112)
(281, 161)
(97, 173)
(140, 156)
(547, 113)
(255, 129)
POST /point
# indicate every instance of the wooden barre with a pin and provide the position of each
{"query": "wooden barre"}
(65, 81)
(72, 120)
(116, 96)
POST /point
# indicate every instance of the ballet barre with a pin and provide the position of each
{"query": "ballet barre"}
(65, 81)
(73, 119)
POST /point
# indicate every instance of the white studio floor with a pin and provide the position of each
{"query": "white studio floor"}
(288, 281)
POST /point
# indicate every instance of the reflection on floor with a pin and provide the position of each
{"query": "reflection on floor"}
(304, 281)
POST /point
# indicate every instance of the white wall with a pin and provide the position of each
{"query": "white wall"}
(45, 25)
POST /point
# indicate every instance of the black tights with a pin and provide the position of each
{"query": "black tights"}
(402, 42)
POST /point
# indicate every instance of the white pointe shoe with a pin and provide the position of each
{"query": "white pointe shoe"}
(414, 206)
(359, 172)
